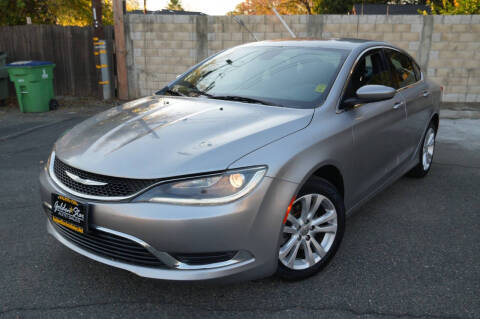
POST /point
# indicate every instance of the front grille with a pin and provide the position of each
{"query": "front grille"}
(110, 246)
(204, 258)
(115, 187)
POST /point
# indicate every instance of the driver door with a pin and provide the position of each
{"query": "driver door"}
(378, 127)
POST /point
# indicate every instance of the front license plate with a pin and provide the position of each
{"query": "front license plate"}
(70, 213)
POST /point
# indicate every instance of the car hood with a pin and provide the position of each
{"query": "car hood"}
(157, 137)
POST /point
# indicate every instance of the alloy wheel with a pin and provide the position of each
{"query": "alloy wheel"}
(309, 232)
(428, 147)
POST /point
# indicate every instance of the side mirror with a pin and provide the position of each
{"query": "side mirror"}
(373, 93)
(368, 94)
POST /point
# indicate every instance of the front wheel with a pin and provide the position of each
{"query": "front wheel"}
(313, 230)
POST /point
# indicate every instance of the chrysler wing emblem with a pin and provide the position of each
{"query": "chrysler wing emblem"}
(84, 181)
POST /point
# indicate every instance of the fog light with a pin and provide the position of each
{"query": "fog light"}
(237, 180)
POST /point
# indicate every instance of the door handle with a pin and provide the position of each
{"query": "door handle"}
(397, 105)
(425, 93)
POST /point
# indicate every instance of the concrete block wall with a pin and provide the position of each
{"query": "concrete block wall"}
(160, 47)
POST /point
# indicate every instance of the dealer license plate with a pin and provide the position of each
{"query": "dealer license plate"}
(70, 213)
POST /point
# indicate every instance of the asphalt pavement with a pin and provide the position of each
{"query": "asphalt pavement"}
(412, 251)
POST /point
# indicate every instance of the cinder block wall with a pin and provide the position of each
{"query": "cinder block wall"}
(160, 47)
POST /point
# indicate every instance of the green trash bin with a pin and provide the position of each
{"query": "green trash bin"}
(33, 84)
(3, 78)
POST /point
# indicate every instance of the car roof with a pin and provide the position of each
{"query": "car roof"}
(339, 43)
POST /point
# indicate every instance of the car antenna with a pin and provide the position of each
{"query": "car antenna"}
(283, 22)
(240, 22)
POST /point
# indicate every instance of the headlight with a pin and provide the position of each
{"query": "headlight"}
(206, 190)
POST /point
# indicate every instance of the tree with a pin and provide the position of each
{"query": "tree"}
(62, 12)
(175, 5)
(454, 7)
(16, 12)
(342, 7)
(259, 7)
(79, 12)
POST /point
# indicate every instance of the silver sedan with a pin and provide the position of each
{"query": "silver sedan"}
(247, 164)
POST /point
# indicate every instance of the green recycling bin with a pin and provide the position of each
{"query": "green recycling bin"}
(3, 78)
(33, 84)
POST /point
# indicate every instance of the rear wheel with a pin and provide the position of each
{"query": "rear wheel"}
(313, 230)
(426, 154)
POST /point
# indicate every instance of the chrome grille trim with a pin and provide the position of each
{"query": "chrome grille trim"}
(51, 173)
(169, 262)
(111, 246)
(98, 185)
(165, 258)
(242, 257)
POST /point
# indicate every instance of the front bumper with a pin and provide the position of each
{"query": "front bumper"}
(251, 226)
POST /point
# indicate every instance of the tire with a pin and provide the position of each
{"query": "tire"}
(53, 104)
(327, 212)
(425, 156)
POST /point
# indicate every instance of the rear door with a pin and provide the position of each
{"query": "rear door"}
(410, 84)
(377, 127)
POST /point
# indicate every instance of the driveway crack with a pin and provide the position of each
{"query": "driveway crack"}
(455, 165)
(254, 309)
(32, 129)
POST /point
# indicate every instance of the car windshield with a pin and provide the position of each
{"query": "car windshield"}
(297, 77)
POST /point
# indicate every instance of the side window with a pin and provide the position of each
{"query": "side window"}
(402, 68)
(370, 69)
(416, 69)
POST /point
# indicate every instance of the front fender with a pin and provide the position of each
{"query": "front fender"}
(294, 158)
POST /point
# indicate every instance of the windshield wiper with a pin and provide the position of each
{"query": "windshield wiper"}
(237, 98)
(172, 92)
(191, 90)
(241, 99)
(198, 92)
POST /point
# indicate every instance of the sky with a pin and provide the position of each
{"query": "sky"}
(210, 7)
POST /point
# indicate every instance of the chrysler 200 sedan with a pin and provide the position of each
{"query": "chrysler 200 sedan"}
(246, 165)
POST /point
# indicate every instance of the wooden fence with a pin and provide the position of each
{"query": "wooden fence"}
(70, 48)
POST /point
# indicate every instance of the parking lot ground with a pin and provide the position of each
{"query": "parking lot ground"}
(412, 251)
